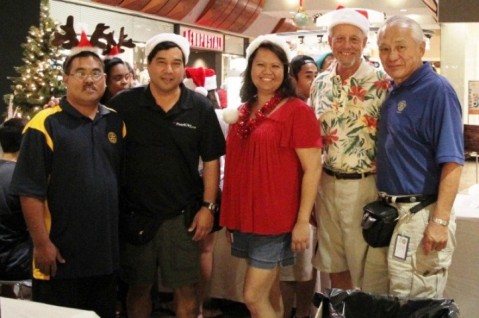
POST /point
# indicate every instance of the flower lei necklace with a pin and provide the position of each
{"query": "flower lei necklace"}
(246, 124)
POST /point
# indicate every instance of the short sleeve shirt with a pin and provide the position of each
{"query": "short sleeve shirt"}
(73, 163)
(262, 185)
(348, 112)
(420, 129)
(163, 149)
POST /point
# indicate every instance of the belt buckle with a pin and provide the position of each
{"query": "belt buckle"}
(387, 198)
(383, 195)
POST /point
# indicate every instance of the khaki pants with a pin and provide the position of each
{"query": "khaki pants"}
(419, 275)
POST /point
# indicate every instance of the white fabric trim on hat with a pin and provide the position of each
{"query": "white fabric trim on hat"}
(77, 49)
(348, 16)
(189, 83)
(179, 40)
(275, 39)
(210, 82)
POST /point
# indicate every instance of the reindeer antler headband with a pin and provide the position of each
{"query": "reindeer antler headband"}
(99, 40)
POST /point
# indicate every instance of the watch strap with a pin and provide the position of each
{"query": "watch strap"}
(213, 207)
(440, 221)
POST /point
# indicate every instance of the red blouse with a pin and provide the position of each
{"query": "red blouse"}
(262, 182)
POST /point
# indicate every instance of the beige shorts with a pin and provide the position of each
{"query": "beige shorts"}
(302, 270)
(339, 211)
(419, 275)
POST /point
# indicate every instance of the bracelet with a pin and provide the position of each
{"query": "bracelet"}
(440, 221)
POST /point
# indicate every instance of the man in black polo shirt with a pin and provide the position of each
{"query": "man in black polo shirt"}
(169, 128)
(67, 177)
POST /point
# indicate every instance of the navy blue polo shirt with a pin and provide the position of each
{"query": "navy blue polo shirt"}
(420, 129)
(163, 149)
(74, 163)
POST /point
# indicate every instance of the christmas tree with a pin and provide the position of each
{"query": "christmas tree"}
(41, 75)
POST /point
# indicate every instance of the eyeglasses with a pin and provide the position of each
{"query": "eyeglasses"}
(82, 75)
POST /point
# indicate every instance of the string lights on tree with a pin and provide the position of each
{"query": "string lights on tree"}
(40, 77)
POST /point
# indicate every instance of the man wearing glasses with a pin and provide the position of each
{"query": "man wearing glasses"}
(67, 179)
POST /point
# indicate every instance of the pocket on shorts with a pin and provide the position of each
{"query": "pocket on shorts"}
(433, 263)
(185, 254)
(430, 274)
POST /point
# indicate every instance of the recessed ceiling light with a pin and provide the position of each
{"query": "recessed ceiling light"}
(403, 10)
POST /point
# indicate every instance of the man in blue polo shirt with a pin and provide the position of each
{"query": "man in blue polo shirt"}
(169, 129)
(67, 177)
(419, 162)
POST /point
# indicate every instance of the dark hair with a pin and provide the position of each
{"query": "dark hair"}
(130, 70)
(110, 63)
(212, 97)
(297, 63)
(248, 89)
(166, 45)
(11, 134)
(68, 62)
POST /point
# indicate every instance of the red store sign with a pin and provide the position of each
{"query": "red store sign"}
(203, 40)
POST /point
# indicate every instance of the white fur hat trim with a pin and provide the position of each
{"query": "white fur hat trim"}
(349, 16)
(273, 38)
(179, 40)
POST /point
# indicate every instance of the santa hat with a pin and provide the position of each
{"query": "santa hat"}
(200, 79)
(179, 40)
(358, 18)
(113, 52)
(84, 45)
(273, 38)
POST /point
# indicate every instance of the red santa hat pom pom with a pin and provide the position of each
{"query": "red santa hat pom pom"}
(200, 79)
(84, 45)
(114, 52)
(230, 115)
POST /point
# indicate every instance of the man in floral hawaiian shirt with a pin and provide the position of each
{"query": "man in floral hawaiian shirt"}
(347, 102)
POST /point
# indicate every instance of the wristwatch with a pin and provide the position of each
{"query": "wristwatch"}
(213, 207)
(440, 221)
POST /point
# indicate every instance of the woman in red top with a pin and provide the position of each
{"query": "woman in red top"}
(272, 171)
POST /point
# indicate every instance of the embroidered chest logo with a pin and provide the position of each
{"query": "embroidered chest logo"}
(185, 125)
(401, 106)
(112, 138)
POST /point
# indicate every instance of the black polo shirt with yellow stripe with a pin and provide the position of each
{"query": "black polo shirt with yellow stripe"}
(163, 149)
(74, 164)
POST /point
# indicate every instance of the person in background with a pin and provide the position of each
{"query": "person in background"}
(169, 129)
(133, 78)
(222, 96)
(67, 175)
(16, 248)
(347, 101)
(203, 81)
(324, 61)
(419, 162)
(272, 171)
(303, 71)
(117, 78)
(298, 281)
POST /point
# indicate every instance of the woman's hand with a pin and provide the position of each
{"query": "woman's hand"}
(300, 237)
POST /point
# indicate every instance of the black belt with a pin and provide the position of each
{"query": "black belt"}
(422, 200)
(351, 176)
(413, 198)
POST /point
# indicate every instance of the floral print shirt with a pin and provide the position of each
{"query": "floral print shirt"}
(348, 112)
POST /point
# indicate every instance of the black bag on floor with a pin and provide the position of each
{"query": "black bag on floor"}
(339, 303)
